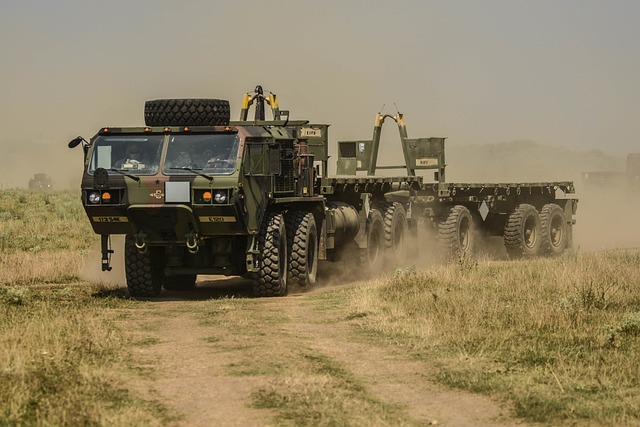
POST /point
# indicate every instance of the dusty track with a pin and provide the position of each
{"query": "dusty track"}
(208, 355)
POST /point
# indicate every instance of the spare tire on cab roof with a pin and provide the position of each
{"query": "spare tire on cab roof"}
(187, 112)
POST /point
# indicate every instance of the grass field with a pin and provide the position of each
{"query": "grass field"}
(43, 237)
(62, 357)
(559, 339)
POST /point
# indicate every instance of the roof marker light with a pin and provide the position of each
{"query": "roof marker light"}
(147, 129)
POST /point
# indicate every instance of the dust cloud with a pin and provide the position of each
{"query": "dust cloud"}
(605, 216)
(21, 162)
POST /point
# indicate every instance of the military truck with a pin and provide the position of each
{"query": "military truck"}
(41, 182)
(196, 193)
(628, 180)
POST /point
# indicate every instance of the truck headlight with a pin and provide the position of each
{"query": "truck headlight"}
(220, 197)
(94, 197)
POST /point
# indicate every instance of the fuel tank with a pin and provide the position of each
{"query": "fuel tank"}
(346, 222)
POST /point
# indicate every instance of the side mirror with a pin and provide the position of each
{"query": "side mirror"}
(76, 141)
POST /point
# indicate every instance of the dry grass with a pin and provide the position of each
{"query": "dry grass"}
(318, 391)
(43, 222)
(42, 237)
(559, 338)
(25, 268)
(64, 361)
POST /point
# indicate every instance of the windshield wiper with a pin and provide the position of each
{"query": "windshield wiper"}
(136, 178)
(196, 171)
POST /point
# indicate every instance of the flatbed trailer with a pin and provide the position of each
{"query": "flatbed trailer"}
(533, 218)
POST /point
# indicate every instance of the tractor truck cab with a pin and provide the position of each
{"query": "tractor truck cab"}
(195, 193)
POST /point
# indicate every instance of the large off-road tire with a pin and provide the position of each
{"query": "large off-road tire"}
(183, 282)
(395, 229)
(187, 112)
(144, 271)
(554, 229)
(271, 279)
(372, 257)
(302, 246)
(522, 232)
(456, 232)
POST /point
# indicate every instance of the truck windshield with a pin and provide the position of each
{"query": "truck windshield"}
(138, 155)
(211, 154)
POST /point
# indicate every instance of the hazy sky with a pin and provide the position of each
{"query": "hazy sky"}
(562, 73)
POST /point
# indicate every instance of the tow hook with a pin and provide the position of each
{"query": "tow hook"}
(192, 242)
(141, 243)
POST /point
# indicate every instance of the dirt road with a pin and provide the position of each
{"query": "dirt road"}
(217, 358)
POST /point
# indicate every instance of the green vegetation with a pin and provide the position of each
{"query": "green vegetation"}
(65, 361)
(34, 221)
(318, 391)
(559, 338)
(42, 237)
(63, 358)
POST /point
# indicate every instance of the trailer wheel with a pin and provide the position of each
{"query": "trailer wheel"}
(302, 247)
(272, 244)
(522, 232)
(395, 228)
(187, 112)
(456, 232)
(183, 282)
(555, 236)
(144, 271)
(371, 257)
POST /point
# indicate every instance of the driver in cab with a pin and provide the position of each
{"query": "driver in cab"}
(133, 159)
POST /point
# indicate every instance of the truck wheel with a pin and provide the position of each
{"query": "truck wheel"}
(182, 282)
(371, 258)
(144, 271)
(456, 232)
(272, 244)
(302, 246)
(522, 232)
(555, 236)
(395, 227)
(187, 112)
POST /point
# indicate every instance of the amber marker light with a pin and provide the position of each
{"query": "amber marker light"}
(106, 197)
(206, 196)
(166, 129)
(186, 129)
(105, 130)
(227, 128)
(147, 129)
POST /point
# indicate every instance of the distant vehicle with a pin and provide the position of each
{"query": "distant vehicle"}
(630, 178)
(41, 182)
